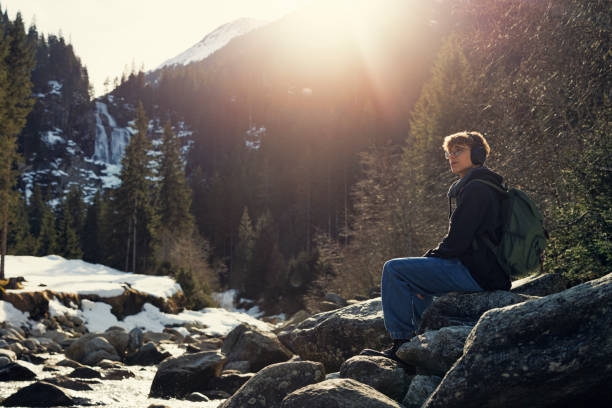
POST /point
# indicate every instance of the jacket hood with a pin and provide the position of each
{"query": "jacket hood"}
(482, 173)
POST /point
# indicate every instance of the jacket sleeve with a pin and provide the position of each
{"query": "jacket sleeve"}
(464, 222)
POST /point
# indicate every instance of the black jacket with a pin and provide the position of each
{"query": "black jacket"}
(477, 213)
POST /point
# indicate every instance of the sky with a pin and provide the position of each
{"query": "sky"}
(110, 36)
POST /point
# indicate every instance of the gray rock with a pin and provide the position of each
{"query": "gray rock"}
(16, 372)
(550, 351)
(50, 345)
(118, 374)
(119, 338)
(57, 336)
(464, 309)
(69, 383)
(7, 356)
(91, 348)
(155, 337)
(332, 337)
(33, 345)
(18, 348)
(434, 352)
(259, 348)
(420, 389)
(228, 382)
(177, 377)
(39, 394)
(4, 361)
(68, 363)
(240, 366)
(147, 355)
(540, 285)
(135, 340)
(84, 372)
(271, 384)
(380, 373)
(341, 393)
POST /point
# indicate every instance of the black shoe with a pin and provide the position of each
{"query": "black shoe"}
(387, 353)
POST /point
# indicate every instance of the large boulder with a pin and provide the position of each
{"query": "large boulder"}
(270, 385)
(550, 351)
(259, 348)
(380, 373)
(421, 387)
(338, 393)
(91, 349)
(39, 394)
(434, 352)
(540, 285)
(332, 337)
(180, 376)
(464, 309)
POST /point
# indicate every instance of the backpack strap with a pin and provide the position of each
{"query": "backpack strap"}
(501, 189)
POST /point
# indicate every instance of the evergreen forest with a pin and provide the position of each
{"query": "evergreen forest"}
(312, 162)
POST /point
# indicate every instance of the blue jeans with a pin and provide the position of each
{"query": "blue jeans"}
(404, 278)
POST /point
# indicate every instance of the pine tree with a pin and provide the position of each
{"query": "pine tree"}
(16, 64)
(244, 253)
(174, 194)
(47, 238)
(68, 240)
(20, 240)
(93, 236)
(135, 219)
(448, 104)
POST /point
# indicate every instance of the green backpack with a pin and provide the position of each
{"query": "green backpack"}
(523, 235)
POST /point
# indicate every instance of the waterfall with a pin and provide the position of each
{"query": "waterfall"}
(109, 150)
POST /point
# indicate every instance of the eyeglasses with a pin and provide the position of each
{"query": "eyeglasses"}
(454, 154)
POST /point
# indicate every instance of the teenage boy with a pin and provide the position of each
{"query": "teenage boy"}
(457, 264)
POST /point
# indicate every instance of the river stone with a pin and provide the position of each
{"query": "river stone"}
(464, 309)
(380, 373)
(91, 348)
(39, 394)
(118, 374)
(69, 383)
(420, 389)
(434, 352)
(271, 384)
(147, 355)
(259, 348)
(178, 377)
(228, 382)
(16, 372)
(68, 363)
(84, 372)
(332, 337)
(550, 351)
(118, 337)
(6, 357)
(540, 285)
(341, 393)
(50, 345)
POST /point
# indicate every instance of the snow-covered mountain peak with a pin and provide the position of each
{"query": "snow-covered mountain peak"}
(215, 40)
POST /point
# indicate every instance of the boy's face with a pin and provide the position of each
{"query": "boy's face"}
(459, 160)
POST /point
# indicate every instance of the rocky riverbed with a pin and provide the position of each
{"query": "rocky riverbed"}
(540, 345)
